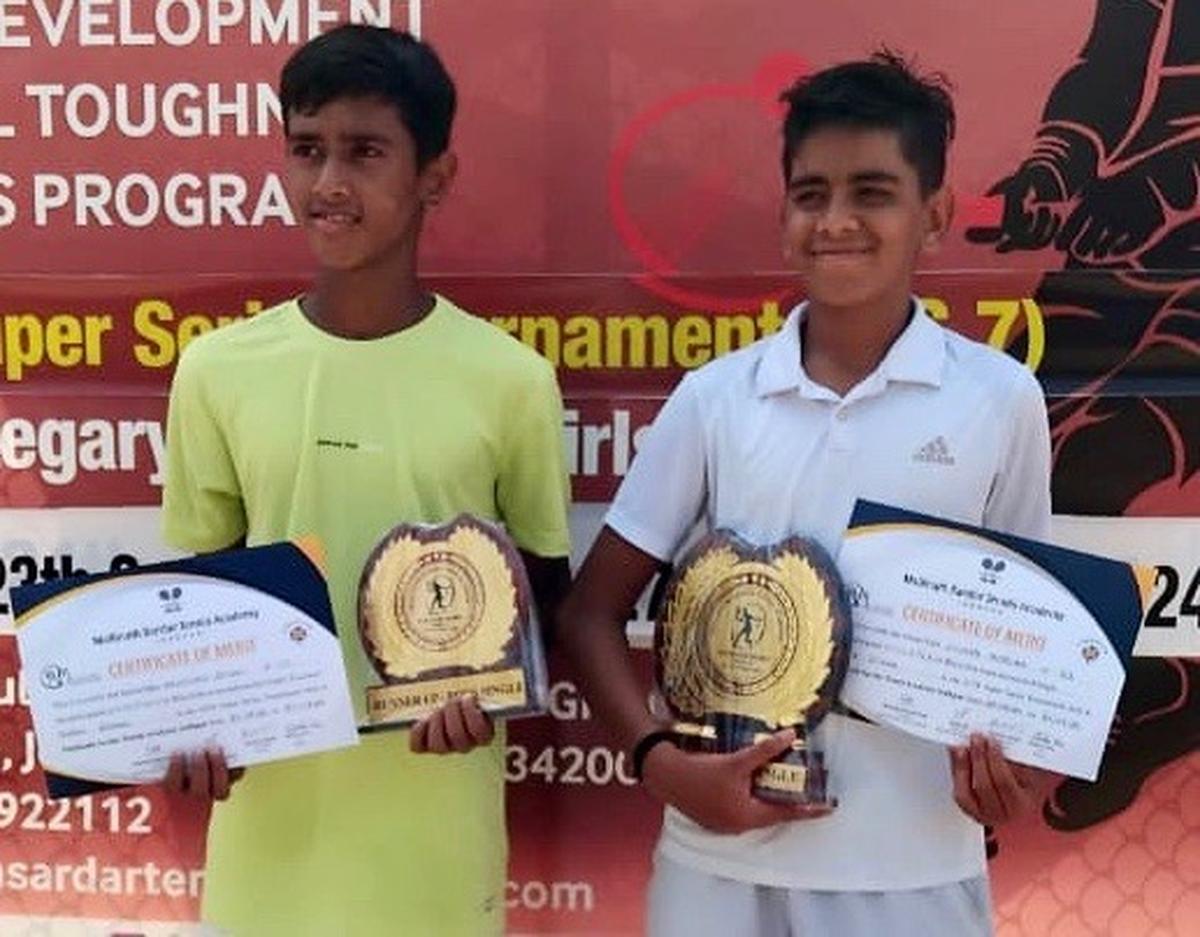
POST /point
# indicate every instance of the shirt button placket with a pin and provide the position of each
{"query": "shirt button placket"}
(840, 436)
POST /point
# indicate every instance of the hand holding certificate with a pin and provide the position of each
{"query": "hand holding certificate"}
(959, 630)
(235, 651)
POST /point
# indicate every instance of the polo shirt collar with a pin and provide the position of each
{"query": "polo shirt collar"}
(917, 356)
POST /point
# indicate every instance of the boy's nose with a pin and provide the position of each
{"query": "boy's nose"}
(331, 182)
(838, 218)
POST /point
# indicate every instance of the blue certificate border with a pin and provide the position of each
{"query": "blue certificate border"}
(283, 570)
(1109, 589)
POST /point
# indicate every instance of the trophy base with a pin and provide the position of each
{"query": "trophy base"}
(798, 776)
(397, 705)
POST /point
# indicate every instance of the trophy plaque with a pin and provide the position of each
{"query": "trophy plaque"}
(751, 640)
(447, 611)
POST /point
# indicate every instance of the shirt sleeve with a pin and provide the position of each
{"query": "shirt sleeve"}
(532, 491)
(202, 501)
(1019, 501)
(666, 489)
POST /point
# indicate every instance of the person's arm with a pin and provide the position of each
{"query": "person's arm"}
(550, 578)
(988, 787)
(592, 633)
(202, 512)
(658, 504)
(714, 790)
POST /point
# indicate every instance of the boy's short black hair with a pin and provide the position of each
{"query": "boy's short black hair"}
(357, 61)
(883, 92)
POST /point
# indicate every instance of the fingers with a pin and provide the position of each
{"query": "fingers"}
(454, 728)
(982, 785)
(1022, 787)
(960, 772)
(191, 774)
(418, 736)
(480, 727)
(204, 775)
(1037, 782)
(754, 811)
(459, 726)
(199, 779)
(755, 756)
(175, 780)
(810, 811)
(218, 770)
(989, 788)
(717, 790)
(1012, 796)
(758, 813)
(436, 733)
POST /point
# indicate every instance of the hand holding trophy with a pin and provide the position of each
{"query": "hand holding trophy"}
(446, 611)
(751, 640)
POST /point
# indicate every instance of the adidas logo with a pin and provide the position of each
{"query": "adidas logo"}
(936, 451)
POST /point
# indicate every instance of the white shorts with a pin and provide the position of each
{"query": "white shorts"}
(685, 902)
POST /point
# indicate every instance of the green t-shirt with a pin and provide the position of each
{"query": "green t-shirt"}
(278, 430)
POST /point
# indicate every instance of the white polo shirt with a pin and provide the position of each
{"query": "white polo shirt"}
(945, 426)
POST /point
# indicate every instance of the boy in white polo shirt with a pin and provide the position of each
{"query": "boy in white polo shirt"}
(860, 395)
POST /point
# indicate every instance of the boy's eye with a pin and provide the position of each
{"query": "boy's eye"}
(807, 198)
(303, 150)
(874, 195)
(367, 151)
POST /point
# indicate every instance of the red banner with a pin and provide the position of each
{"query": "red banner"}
(616, 209)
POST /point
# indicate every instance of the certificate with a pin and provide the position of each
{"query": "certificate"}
(960, 630)
(235, 650)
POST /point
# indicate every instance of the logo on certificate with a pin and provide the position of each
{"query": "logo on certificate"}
(990, 569)
(170, 599)
(857, 595)
(1090, 651)
(54, 676)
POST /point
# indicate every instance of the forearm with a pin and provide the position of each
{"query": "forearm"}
(603, 665)
(549, 578)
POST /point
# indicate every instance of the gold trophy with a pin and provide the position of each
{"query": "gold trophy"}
(446, 611)
(751, 640)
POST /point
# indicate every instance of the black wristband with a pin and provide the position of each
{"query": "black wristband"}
(645, 744)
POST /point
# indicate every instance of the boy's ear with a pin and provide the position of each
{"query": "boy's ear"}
(437, 177)
(939, 215)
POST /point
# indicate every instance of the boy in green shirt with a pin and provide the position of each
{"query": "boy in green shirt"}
(363, 403)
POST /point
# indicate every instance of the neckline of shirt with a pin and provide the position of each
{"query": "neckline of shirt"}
(916, 356)
(409, 333)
